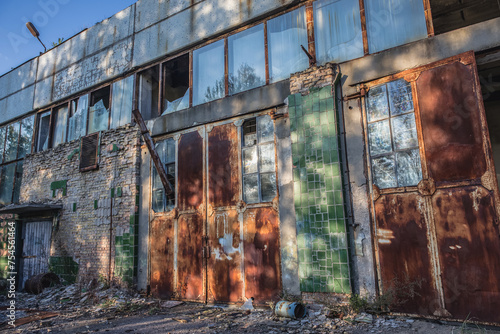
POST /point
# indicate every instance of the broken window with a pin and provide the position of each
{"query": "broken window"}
(162, 202)
(208, 73)
(285, 35)
(176, 84)
(392, 135)
(60, 116)
(259, 176)
(99, 110)
(337, 30)
(121, 105)
(12, 141)
(246, 59)
(149, 93)
(25, 139)
(77, 125)
(7, 183)
(43, 131)
(393, 23)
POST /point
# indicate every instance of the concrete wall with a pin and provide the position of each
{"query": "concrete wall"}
(82, 232)
(139, 34)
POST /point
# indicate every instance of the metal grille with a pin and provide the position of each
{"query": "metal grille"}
(89, 146)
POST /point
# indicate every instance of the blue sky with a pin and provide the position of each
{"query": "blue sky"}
(53, 19)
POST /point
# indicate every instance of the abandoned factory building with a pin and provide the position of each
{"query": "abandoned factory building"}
(214, 151)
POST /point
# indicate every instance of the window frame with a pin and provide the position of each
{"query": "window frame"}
(166, 208)
(257, 144)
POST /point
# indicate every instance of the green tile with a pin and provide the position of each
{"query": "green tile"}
(339, 209)
(343, 255)
(346, 286)
(291, 111)
(344, 271)
(291, 100)
(338, 286)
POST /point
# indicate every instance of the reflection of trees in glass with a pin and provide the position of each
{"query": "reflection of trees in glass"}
(26, 134)
(245, 79)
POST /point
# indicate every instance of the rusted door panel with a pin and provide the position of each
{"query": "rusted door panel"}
(469, 247)
(190, 172)
(162, 257)
(191, 223)
(404, 251)
(451, 123)
(262, 254)
(225, 279)
(223, 170)
(190, 267)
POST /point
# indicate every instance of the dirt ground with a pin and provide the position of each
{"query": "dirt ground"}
(69, 310)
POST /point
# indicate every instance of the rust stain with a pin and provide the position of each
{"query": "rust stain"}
(451, 123)
(162, 257)
(262, 254)
(190, 171)
(403, 249)
(469, 251)
(224, 265)
(190, 257)
(224, 188)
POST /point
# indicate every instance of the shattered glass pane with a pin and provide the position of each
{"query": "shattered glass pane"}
(404, 131)
(409, 168)
(268, 186)
(265, 127)
(400, 97)
(250, 160)
(11, 142)
(376, 103)
(78, 120)
(384, 175)
(98, 117)
(379, 137)
(266, 153)
(178, 104)
(251, 188)
(246, 59)
(27, 125)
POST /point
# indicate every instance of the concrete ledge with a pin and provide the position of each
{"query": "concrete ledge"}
(253, 100)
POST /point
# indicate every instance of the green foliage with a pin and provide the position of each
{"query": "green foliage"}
(59, 41)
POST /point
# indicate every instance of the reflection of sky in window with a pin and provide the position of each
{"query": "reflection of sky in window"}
(391, 23)
(337, 30)
(208, 67)
(247, 48)
(286, 33)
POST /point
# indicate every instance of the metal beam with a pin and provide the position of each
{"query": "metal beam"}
(151, 148)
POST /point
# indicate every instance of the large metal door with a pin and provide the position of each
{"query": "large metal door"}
(36, 249)
(442, 232)
(213, 246)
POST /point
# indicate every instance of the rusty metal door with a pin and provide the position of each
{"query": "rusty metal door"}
(243, 239)
(213, 246)
(440, 237)
(36, 249)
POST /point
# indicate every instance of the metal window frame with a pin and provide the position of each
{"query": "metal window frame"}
(257, 145)
(393, 149)
(174, 190)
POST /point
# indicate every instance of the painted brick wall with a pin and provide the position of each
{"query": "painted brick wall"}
(318, 192)
(83, 230)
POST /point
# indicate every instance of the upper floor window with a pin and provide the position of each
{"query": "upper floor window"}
(394, 22)
(246, 59)
(77, 124)
(149, 92)
(208, 73)
(337, 30)
(161, 201)
(60, 115)
(121, 102)
(99, 110)
(392, 135)
(285, 35)
(176, 84)
(259, 169)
